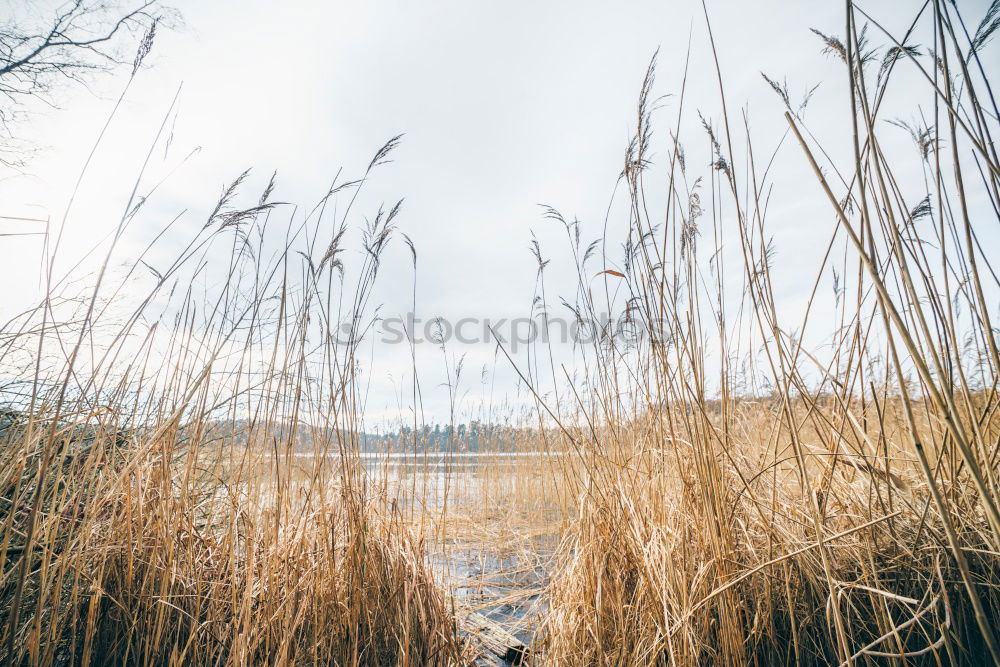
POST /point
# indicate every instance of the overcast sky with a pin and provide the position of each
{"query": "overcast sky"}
(504, 106)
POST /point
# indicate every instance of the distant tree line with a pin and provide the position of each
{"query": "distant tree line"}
(472, 437)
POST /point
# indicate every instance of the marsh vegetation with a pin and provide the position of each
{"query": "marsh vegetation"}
(181, 470)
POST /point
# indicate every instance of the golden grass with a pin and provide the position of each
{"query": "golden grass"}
(745, 497)
(673, 562)
(143, 560)
(721, 492)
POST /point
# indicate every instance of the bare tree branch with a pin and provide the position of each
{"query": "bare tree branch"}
(77, 40)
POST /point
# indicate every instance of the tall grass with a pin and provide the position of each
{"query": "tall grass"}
(747, 499)
(725, 490)
(151, 512)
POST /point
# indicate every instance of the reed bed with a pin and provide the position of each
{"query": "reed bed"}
(753, 494)
(154, 506)
(180, 477)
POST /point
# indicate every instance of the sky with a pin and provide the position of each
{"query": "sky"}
(503, 107)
